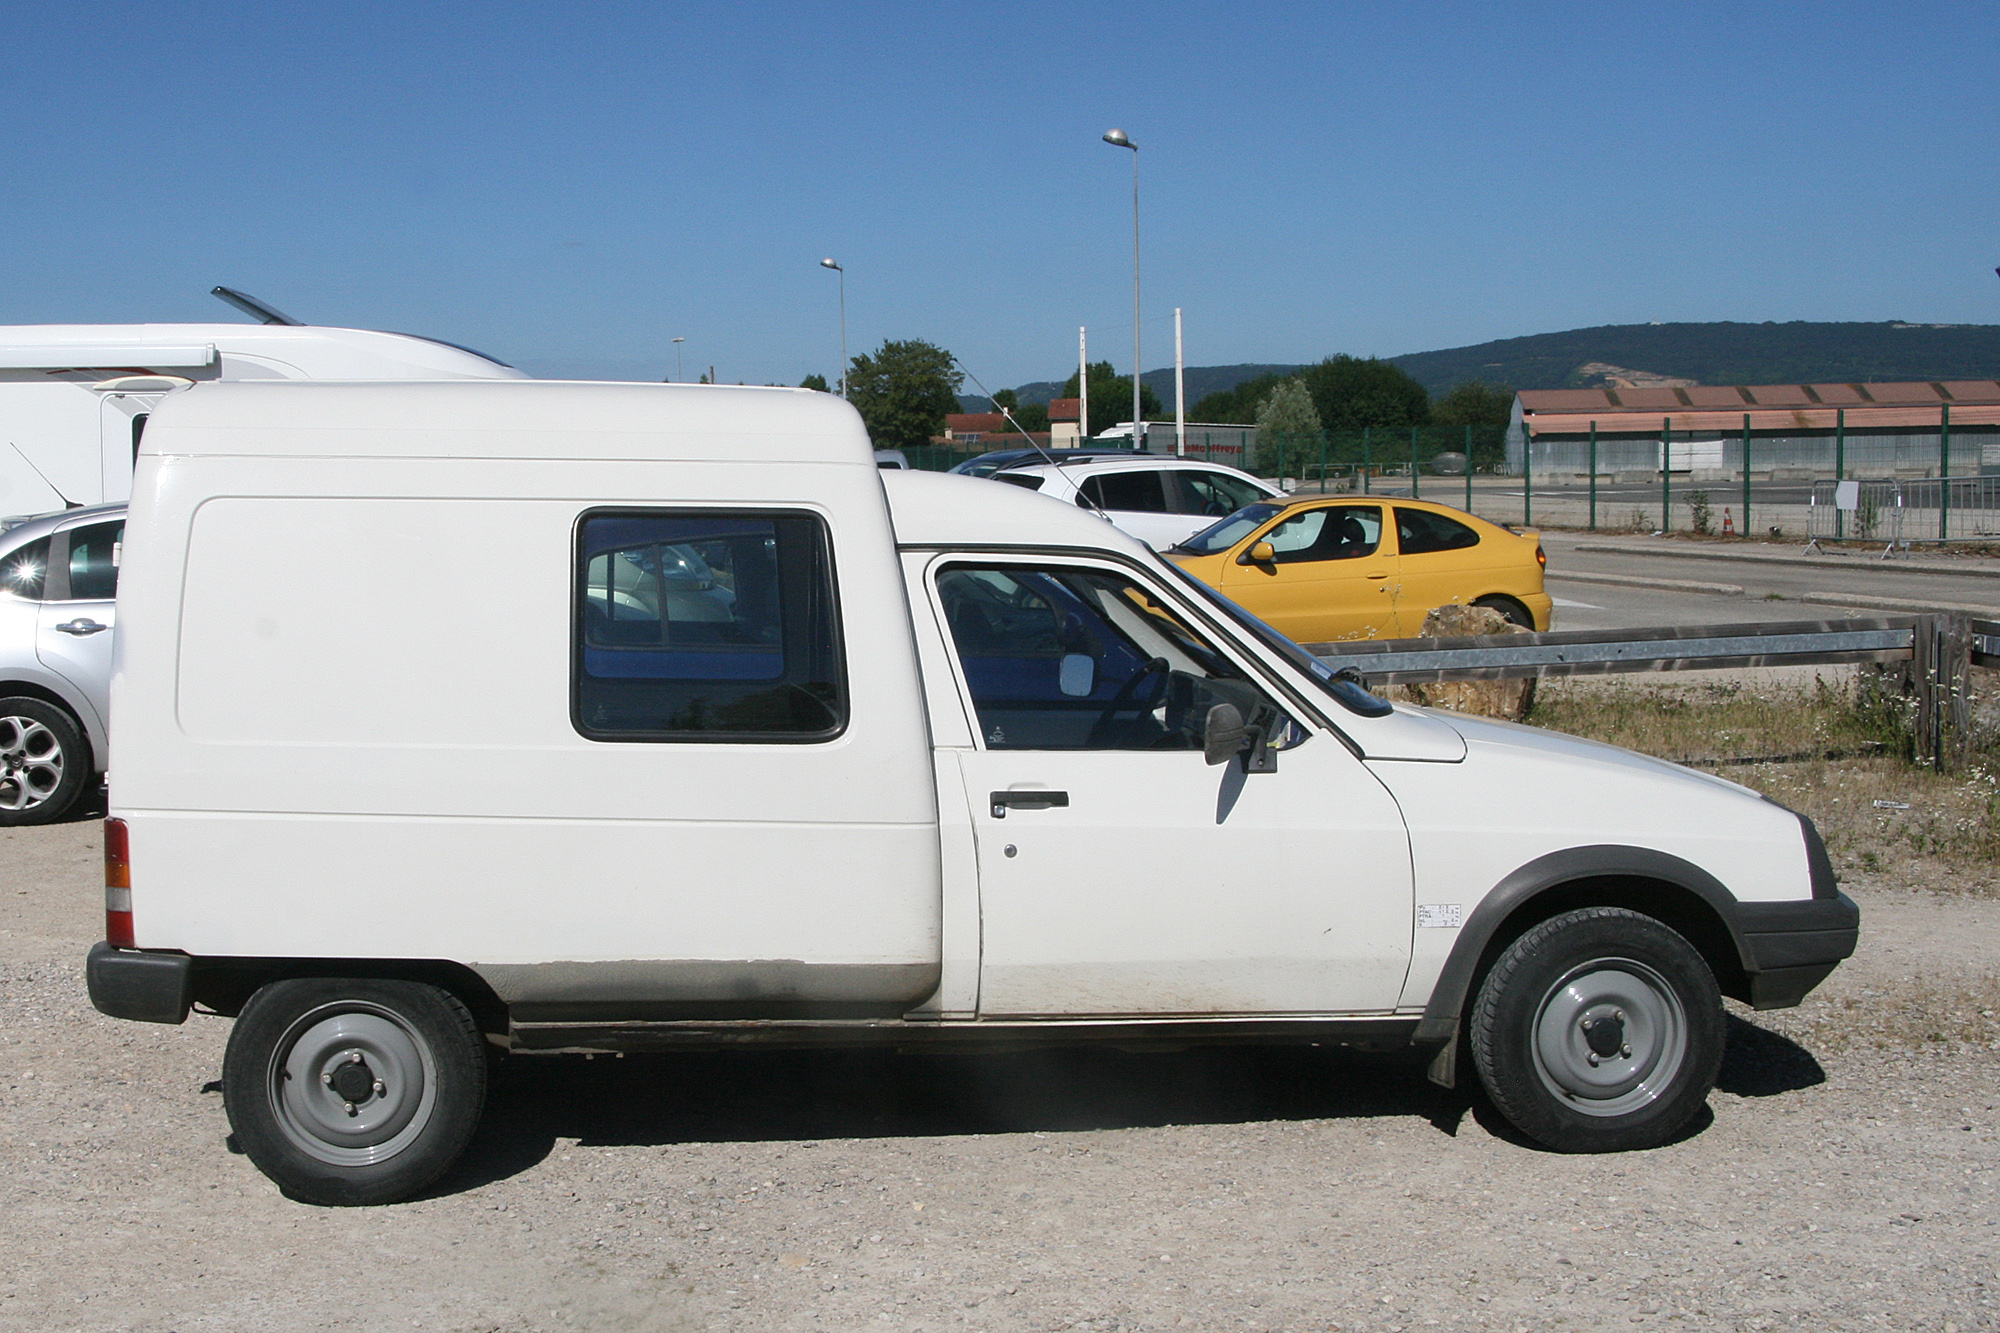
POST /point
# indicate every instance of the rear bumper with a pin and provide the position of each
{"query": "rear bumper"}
(139, 985)
(1790, 947)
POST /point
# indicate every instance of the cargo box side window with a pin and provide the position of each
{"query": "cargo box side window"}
(706, 626)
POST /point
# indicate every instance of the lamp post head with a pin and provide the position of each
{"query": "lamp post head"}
(828, 263)
(1119, 138)
(680, 340)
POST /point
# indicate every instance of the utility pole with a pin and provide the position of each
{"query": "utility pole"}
(1180, 391)
(1082, 386)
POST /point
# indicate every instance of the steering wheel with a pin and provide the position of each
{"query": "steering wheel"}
(1126, 699)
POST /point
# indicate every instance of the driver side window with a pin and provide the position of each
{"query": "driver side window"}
(1084, 659)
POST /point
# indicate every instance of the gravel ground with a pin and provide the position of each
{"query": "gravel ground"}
(1845, 1179)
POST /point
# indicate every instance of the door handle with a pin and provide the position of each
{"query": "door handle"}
(81, 627)
(1027, 800)
(1378, 576)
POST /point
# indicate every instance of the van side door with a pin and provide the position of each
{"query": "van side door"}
(1120, 873)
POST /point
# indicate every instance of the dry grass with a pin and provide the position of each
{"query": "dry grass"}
(1818, 750)
(1933, 1012)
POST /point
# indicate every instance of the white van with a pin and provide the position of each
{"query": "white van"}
(75, 398)
(490, 717)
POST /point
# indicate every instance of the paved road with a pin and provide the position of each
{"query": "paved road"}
(1771, 592)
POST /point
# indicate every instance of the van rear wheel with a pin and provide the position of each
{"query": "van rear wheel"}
(1600, 1030)
(353, 1091)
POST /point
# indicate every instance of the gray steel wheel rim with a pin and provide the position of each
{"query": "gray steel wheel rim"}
(314, 1115)
(1655, 1027)
(31, 763)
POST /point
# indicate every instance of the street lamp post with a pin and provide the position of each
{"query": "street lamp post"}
(828, 263)
(677, 360)
(1118, 138)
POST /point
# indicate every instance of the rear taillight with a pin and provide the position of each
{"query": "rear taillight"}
(117, 885)
(1541, 556)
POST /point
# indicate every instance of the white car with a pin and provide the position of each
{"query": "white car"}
(1161, 501)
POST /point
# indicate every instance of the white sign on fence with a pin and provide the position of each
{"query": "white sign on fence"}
(1847, 495)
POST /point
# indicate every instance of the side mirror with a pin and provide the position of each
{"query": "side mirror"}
(1076, 675)
(1260, 553)
(1223, 736)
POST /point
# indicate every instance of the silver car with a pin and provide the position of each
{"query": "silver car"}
(58, 585)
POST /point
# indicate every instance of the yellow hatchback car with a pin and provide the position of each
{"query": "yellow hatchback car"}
(1331, 568)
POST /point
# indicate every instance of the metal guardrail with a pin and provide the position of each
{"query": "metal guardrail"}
(1930, 655)
(1986, 643)
(1599, 652)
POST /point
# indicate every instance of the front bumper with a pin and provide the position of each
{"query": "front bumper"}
(1789, 947)
(143, 986)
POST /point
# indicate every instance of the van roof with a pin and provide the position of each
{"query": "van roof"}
(264, 351)
(940, 509)
(534, 419)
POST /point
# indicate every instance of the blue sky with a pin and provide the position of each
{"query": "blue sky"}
(571, 186)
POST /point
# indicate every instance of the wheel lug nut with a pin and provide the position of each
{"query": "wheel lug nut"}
(1592, 1057)
(326, 1079)
(379, 1089)
(1625, 1051)
(348, 1107)
(354, 1057)
(1618, 1014)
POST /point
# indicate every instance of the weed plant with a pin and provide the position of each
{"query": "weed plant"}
(1837, 752)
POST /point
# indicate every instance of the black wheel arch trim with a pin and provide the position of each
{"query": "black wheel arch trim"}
(1786, 941)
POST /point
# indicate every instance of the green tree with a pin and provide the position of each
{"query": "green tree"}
(903, 391)
(1486, 408)
(1111, 398)
(1474, 404)
(1287, 427)
(1005, 400)
(814, 382)
(1033, 418)
(1351, 392)
(1237, 406)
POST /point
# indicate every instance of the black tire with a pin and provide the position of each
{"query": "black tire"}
(1600, 1030)
(330, 1129)
(45, 762)
(1508, 607)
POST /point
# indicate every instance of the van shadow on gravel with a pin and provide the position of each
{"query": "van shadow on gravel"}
(1763, 1063)
(752, 1096)
(772, 1096)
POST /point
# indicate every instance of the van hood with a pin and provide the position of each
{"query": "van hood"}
(1413, 743)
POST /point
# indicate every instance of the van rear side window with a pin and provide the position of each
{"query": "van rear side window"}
(712, 626)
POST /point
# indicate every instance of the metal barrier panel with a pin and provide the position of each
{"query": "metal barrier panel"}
(1877, 514)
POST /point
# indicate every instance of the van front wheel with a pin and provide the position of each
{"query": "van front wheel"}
(351, 1091)
(1599, 1030)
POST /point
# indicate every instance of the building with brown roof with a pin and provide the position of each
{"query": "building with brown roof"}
(1861, 429)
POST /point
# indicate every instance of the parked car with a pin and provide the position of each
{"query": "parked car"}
(986, 464)
(1319, 570)
(1160, 501)
(58, 582)
(891, 459)
(417, 762)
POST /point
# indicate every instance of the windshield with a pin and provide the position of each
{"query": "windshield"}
(1351, 695)
(1226, 533)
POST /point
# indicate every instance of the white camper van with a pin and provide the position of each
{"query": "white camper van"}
(75, 398)
(461, 719)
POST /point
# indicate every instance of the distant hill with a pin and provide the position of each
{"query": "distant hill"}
(1720, 353)
(1799, 352)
